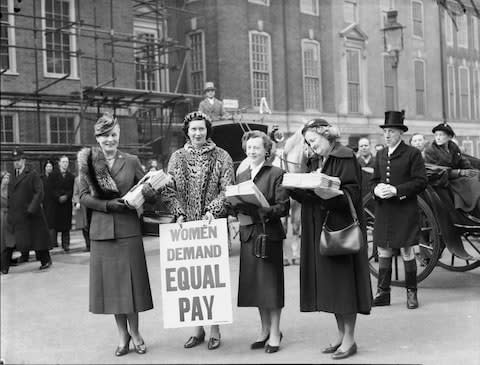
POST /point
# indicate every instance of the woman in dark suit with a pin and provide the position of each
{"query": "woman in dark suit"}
(261, 282)
(333, 284)
(119, 282)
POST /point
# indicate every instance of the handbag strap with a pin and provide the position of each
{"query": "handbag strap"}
(352, 210)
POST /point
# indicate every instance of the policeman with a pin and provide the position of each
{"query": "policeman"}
(399, 176)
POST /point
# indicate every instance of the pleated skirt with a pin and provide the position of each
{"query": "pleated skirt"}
(119, 282)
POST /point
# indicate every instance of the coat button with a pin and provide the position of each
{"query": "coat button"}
(387, 180)
(388, 168)
(388, 174)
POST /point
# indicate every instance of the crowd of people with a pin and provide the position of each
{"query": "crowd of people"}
(35, 208)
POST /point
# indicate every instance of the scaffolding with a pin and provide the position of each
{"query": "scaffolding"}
(159, 63)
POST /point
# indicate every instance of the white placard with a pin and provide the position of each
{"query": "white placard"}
(230, 103)
(195, 274)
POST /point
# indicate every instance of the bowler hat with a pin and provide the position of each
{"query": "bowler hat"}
(209, 86)
(18, 154)
(105, 124)
(394, 119)
(445, 128)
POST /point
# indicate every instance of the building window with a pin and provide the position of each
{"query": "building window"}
(390, 82)
(7, 37)
(309, 7)
(311, 75)
(350, 11)
(385, 6)
(9, 128)
(261, 2)
(451, 91)
(475, 33)
(449, 29)
(196, 42)
(146, 65)
(260, 67)
(464, 88)
(62, 130)
(353, 80)
(467, 146)
(419, 87)
(476, 94)
(462, 31)
(59, 37)
(417, 18)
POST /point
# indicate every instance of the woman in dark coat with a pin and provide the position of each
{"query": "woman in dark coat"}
(261, 282)
(49, 201)
(333, 284)
(7, 242)
(119, 282)
(462, 177)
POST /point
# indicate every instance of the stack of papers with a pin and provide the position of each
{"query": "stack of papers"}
(134, 198)
(324, 186)
(246, 193)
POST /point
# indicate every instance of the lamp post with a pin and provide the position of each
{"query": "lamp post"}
(393, 44)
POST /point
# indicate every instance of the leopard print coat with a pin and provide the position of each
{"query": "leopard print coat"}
(200, 177)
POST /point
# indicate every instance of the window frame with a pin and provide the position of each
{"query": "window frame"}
(468, 114)
(76, 122)
(422, 61)
(73, 74)
(189, 63)
(422, 19)
(314, 12)
(476, 93)
(393, 86)
(251, 33)
(358, 51)
(449, 30)
(470, 149)
(12, 50)
(462, 30)
(15, 127)
(316, 45)
(451, 91)
(475, 35)
(354, 3)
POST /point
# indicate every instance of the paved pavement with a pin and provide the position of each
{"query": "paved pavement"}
(45, 320)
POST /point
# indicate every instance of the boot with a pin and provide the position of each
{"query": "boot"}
(66, 241)
(382, 298)
(411, 283)
(86, 237)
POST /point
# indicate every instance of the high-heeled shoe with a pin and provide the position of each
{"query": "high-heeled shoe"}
(123, 350)
(195, 340)
(269, 349)
(259, 344)
(214, 343)
(140, 348)
(331, 349)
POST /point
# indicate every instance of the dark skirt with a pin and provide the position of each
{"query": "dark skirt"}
(119, 282)
(261, 281)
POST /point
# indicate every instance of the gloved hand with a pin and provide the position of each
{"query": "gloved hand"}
(467, 172)
(116, 205)
(264, 213)
(149, 193)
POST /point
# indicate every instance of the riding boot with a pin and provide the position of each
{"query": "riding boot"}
(382, 298)
(411, 283)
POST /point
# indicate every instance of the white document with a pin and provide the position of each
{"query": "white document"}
(134, 198)
(246, 193)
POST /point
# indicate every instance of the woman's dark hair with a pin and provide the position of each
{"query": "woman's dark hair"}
(197, 116)
(48, 162)
(267, 142)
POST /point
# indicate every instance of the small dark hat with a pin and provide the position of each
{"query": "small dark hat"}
(314, 123)
(18, 154)
(394, 119)
(445, 128)
(105, 124)
(209, 86)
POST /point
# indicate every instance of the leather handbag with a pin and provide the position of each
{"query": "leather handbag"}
(345, 241)
(261, 245)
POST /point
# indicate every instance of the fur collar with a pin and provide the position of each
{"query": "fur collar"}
(93, 165)
(207, 147)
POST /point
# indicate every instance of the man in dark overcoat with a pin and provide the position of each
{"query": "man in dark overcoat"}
(25, 217)
(61, 182)
(399, 176)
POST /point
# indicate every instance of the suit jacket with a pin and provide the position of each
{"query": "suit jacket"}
(269, 182)
(126, 172)
(215, 110)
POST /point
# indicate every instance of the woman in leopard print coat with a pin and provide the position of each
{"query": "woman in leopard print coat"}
(201, 172)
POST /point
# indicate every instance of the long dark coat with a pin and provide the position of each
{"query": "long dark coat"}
(397, 218)
(48, 200)
(335, 284)
(63, 211)
(25, 215)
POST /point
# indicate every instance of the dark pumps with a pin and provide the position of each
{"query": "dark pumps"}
(259, 344)
(123, 350)
(195, 341)
(214, 343)
(269, 349)
(141, 348)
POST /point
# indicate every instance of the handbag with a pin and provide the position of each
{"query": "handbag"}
(345, 241)
(261, 246)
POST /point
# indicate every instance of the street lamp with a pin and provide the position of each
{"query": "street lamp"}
(393, 36)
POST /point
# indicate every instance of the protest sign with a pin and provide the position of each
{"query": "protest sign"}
(195, 274)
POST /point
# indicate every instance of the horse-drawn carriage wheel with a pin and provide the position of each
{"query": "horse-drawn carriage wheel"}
(471, 242)
(426, 253)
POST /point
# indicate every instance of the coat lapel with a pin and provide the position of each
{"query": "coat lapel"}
(20, 177)
(398, 151)
(118, 164)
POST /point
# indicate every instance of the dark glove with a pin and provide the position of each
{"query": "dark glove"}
(116, 205)
(264, 213)
(149, 193)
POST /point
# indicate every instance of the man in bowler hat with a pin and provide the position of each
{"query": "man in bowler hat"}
(25, 216)
(399, 176)
(211, 105)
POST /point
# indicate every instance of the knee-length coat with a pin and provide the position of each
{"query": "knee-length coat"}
(335, 284)
(25, 216)
(48, 200)
(397, 218)
(63, 210)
